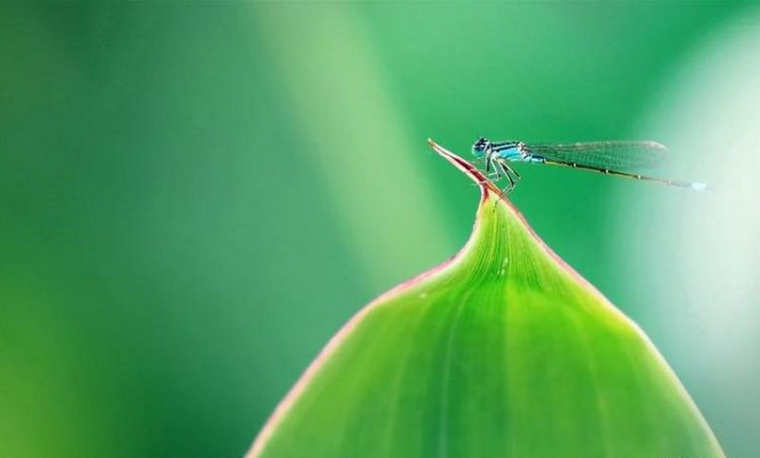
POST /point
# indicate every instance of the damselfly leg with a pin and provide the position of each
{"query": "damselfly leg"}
(511, 175)
(509, 170)
(502, 169)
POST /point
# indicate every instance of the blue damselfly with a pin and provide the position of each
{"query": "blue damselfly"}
(620, 158)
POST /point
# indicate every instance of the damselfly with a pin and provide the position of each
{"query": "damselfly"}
(620, 158)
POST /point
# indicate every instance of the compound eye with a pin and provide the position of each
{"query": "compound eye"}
(480, 144)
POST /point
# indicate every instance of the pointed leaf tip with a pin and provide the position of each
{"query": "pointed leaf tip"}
(485, 184)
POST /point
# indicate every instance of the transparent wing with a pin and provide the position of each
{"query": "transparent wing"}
(613, 155)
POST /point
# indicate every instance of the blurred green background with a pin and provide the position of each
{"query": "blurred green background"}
(195, 197)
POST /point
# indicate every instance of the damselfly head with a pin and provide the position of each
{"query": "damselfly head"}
(480, 147)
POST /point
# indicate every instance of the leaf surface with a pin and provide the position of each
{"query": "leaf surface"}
(504, 350)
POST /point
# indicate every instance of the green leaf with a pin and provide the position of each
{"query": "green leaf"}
(502, 351)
